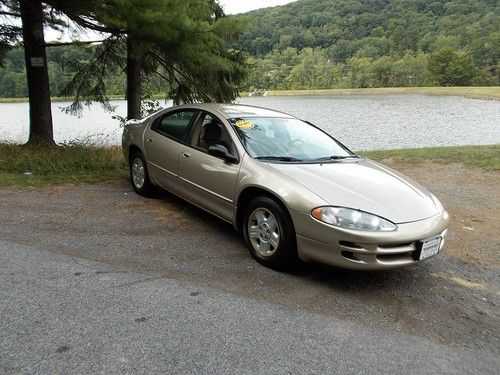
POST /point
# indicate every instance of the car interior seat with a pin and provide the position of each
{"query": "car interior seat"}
(211, 134)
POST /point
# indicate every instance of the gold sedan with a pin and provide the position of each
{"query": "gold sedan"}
(289, 187)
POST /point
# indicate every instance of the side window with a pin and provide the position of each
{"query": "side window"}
(211, 131)
(175, 125)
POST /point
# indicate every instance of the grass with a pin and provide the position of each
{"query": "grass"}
(474, 92)
(492, 93)
(39, 165)
(53, 99)
(485, 157)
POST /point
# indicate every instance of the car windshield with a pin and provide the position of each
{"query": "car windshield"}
(287, 140)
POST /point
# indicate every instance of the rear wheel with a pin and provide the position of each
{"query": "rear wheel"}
(139, 176)
(269, 233)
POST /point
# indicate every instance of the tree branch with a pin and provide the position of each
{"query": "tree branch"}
(76, 42)
(10, 14)
(85, 90)
(161, 75)
(93, 26)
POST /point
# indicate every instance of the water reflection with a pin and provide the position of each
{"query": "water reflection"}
(361, 122)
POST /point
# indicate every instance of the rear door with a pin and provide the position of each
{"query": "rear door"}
(163, 142)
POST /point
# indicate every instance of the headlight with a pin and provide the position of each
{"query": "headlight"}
(352, 219)
(440, 207)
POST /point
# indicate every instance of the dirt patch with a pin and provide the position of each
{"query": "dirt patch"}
(472, 197)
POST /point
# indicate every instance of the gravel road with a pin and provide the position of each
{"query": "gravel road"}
(97, 279)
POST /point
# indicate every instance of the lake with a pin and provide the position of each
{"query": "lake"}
(361, 122)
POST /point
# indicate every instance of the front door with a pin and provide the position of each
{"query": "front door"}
(208, 180)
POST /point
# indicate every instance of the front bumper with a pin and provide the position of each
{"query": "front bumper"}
(364, 250)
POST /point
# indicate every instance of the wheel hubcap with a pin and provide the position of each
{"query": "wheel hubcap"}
(263, 232)
(138, 173)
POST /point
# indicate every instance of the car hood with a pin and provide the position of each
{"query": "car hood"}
(364, 185)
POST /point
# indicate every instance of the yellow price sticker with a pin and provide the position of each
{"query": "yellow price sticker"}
(244, 124)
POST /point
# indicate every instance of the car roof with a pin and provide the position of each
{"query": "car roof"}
(237, 110)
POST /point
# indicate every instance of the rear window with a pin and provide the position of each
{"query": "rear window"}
(175, 125)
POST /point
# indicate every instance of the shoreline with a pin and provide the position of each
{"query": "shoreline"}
(471, 92)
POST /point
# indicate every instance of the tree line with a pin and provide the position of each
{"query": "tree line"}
(310, 68)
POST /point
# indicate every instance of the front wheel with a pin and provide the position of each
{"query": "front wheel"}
(139, 176)
(269, 233)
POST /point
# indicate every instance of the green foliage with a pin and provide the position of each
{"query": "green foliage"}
(184, 43)
(90, 78)
(390, 26)
(485, 157)
(313, 69)
(10, 33)
(375, 43)
(182, 48)
(148, 107)
(451, 68)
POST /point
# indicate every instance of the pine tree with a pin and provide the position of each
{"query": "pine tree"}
(34, 16)
(184, 42)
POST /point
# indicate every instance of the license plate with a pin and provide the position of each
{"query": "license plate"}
(429, 247)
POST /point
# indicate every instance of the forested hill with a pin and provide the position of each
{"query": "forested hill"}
(320, 44)
(375, 27)
(353, 43)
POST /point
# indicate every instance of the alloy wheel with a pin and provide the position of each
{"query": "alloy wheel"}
(138, 173)
(263, 232)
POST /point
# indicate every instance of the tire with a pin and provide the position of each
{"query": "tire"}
(269, 233)
(139, 175)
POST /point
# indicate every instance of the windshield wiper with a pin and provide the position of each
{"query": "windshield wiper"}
(279, 158)
(337, 157)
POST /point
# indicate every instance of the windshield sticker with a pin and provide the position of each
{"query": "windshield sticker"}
(244, 124)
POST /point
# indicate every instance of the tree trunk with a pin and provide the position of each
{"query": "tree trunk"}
(134, 89)
(36, 72)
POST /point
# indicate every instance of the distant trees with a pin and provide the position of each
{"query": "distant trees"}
(287, 69)
(378, 43)
(313, 69)
(452, 68)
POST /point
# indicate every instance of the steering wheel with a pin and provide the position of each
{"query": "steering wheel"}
(295, 143)
(266, 147)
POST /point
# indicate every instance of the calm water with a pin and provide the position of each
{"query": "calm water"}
(363, 122)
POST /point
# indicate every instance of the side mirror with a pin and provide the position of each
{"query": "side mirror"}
(221, 151)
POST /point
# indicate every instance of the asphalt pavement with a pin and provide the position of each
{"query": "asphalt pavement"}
(65, 314)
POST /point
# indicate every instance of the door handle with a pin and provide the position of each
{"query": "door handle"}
(149, 140)
(186, 154)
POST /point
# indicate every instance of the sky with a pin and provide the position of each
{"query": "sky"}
(230, 7)
(240, 6)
